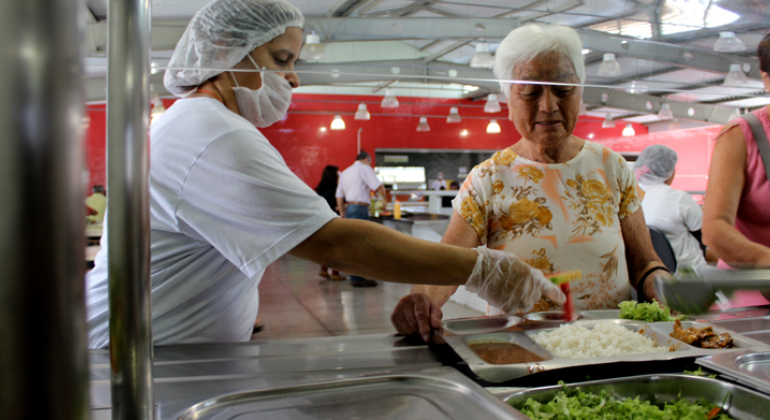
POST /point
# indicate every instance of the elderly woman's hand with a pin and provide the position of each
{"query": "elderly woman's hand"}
(505, 281)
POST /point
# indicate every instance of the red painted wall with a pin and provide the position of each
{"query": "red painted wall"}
(307, 149)
(692, 146)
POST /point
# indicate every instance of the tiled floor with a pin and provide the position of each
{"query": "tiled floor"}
(296, 303)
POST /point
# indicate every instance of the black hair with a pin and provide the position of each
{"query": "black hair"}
(363, 155)
(763, 52)
(329, 178)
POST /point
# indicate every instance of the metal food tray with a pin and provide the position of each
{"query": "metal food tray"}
(438, 393)
(480, 325)
(658, 332)
(739, 403)
(556, 316)
(750, 367)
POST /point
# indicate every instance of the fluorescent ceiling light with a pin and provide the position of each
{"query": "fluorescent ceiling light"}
(493, 105)
(482, 58)
(362, 113)
(389, 101)
(493, 127)
(454, 115)
(312, 50)
(423, 125)
(338, 123)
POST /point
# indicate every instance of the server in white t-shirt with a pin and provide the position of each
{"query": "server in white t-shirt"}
(224, 205)
(671, 211)
(438, 183)
(356, 184)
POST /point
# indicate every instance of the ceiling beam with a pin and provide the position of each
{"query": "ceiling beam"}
(439, 72)
(165, 35)
(494, 29)
(346, 8)
(435, 56)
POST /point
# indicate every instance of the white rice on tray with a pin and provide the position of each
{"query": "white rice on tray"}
(606, 339)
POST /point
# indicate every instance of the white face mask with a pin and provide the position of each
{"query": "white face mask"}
(268, 104)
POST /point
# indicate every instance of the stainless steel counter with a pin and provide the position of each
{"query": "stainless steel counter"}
(188, 374)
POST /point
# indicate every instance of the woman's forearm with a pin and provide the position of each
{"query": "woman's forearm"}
(734, 248)
(370, 250)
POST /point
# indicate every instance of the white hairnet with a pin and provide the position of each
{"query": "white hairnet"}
(221, 34)
(655, 165)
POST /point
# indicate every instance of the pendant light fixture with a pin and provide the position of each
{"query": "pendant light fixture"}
(608, 121)
(312, 50)
(338, 123)
(482, 59)
(736, 76)
(665, 112)
(454, 115)
(362, 113)
(610, 66)
(728, 42)
(735, 114)
(629, 131)
(493, 105)
(389, 101)
(493, 127)
(423, 125)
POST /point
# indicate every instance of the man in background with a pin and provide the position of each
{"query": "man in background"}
(97, 202)
(439, 183)
(356, 184)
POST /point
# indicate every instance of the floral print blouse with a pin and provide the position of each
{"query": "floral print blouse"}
(557, 217)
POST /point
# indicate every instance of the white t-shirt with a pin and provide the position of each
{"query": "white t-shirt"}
(223, 206)
(357, 182)
(676, 214)
(437, 184)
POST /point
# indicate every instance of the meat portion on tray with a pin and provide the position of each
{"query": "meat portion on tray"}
(704, 338)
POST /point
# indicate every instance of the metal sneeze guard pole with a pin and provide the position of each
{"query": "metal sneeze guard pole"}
(128, 211)
(43, 357)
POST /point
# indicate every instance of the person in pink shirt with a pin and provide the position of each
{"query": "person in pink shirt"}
(736, 214)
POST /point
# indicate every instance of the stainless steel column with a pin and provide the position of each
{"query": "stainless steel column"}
(128, 214)
(43, 358)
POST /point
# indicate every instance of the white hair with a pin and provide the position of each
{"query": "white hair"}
(527, 42)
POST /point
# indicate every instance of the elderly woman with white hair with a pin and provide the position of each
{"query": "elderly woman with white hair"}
(669, 210)
(554, 200)
(224, 205)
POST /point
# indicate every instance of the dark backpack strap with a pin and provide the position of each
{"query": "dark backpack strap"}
(761, 138)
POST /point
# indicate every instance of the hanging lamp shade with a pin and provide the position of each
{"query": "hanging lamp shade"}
(629, 131)
(728, 42)
(362, 113)
(610, 66)
(389, 101)
(312, 50)
(493, 127)
(735, 114)
(608, 121)
(493, 105)
(338, 123)
(482, 59)
(423, 125)
(665, 112)
(454, 115)
(736, 76)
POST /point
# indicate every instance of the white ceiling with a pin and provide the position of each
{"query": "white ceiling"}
(661, 78)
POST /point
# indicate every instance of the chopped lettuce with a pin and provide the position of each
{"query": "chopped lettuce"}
(699, 372)
(574, 404)
(650, 312)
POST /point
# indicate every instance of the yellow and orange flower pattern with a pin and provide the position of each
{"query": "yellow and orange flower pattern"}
(557, 217)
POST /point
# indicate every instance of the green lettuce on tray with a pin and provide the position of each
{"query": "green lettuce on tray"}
(650, 312)
(574, 404)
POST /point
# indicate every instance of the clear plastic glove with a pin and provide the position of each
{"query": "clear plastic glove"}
(505, 281)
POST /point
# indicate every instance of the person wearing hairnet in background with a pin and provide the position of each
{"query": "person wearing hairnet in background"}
(671, 211)
(224, 205)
